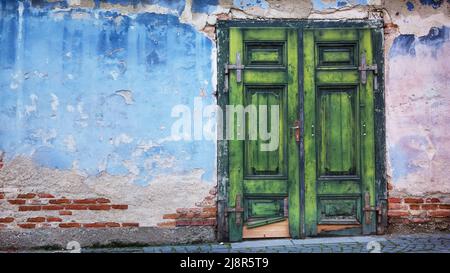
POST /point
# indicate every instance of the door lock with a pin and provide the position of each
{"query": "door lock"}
(296, 129)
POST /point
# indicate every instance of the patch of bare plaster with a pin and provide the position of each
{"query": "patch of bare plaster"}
(419, 20)
(418, 111)
(146, 204)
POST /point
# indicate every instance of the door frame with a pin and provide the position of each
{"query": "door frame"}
(222, 34)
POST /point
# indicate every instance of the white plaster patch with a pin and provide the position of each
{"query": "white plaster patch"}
(127, 95)
(33, 106)
(122, 139)
(70, 143)
(54, 103)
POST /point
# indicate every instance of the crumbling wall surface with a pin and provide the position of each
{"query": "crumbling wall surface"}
(87, 90)
(417, 60)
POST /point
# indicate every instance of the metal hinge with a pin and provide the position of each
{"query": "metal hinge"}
(363, 68)
(238, 67)
(380, 210)
(237, 209)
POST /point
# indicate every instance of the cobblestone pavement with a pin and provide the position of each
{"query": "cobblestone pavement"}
(417, 243)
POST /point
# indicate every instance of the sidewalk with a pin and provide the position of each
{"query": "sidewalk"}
(418, 243)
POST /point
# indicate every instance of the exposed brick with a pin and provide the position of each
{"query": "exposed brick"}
(3, 226)
(103, 200)
(130, 224)
(396, 213)
(65, 212)
(54, 219)
(429, 206)
(414, 207)
(45, 195)
(85, 201)
(397, 206)
(53, 207)
(99, 207)
(168, 224)
(29, 208)
(413, 200)
(394, 200)
(16, 201)
(38, 202)
(94, 225)
(212, 210)
(444, 206)
(59, 201)
(183, 223)
(440, 213)
(6, 220)
(171, 216)
(76, 207)
(432, 200)
(28, 225)
(2, 196)
(112, 224)
(36, 219)
(26, 196)
(70, 225)
(119, 206)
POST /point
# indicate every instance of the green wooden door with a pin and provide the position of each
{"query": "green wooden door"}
(263, 191)
(338, 132)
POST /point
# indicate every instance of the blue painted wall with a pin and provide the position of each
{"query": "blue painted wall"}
(63, 75)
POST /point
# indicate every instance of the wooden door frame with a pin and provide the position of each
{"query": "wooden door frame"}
(222, 32)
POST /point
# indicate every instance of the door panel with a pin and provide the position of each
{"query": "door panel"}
(264, 178)
(339, 147)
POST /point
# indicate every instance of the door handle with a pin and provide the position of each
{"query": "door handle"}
(296, 129)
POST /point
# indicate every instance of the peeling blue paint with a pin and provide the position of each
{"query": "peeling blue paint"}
(403, 154)
(83, 62)
(204, 6)
(410, 6)
(245, 4)
(434, 3)
(405, 44)
(322, 5)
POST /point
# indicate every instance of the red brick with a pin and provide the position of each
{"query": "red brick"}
(119, 206)
(212, 210)
(94, 225)
(3, 226)
(70, 225)
(85, 201)
(99, 207)
(440, 213)
(76, 207)
(433, 200)
(54, 219)
(397, 206)
(168, 224)
(171, 216)
(65, 212)
(28, 225)
(103, 200)
(444, 206)
(429, 206)
(26, 196)
(45, 195)
(394, 200)
(59, 201)
(413, 200)
(420, 220)
(396, 213)
(36, 219)
(53, 207)
(2, 196)
(112, 224)
(183, 223)
(17, 201)
(414, 207)
(29, 208)
(6, 220)
(130, 224)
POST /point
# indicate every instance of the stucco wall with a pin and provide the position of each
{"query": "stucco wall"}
(87, 88)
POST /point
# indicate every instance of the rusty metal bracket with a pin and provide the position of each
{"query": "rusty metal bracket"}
(363, 68)
(238, 209)
(238, 67)
(379, 210)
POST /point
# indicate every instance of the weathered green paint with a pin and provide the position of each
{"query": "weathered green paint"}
(325, 186)
(339, 150)
(265, 178)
